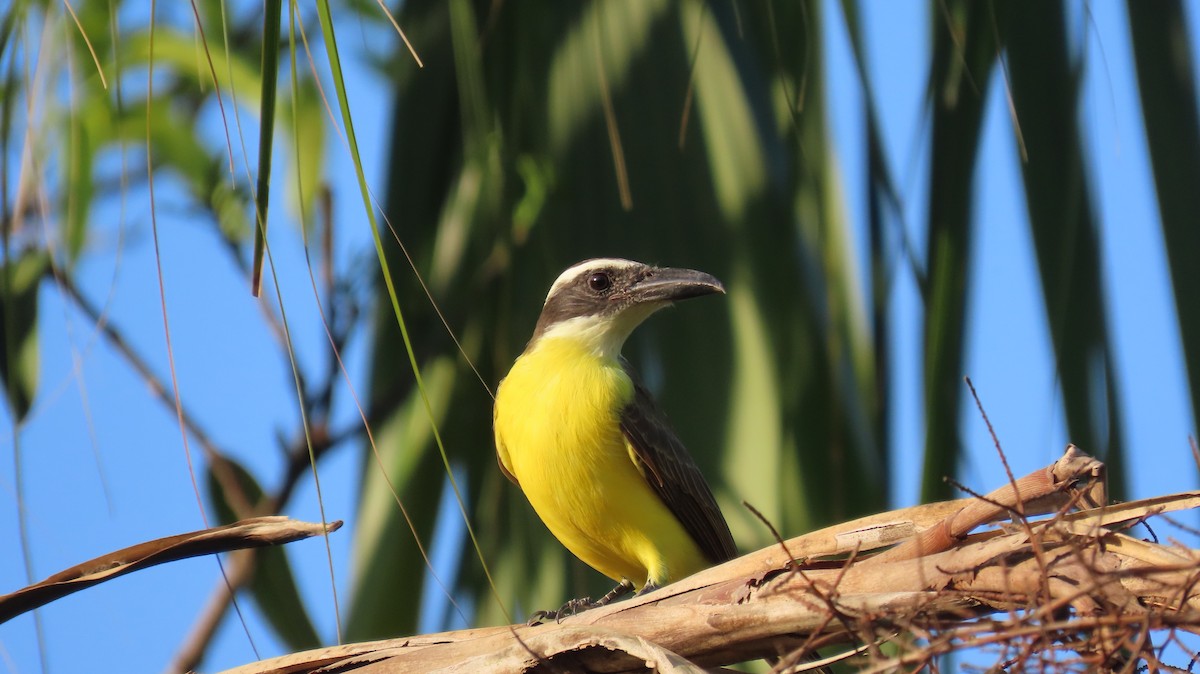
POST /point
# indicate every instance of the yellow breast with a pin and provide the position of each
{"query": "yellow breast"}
(557, 424)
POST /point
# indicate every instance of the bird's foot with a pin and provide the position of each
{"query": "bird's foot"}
(584, 603)
(565, 611)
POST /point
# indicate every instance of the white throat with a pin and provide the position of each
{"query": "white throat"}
(603, 335)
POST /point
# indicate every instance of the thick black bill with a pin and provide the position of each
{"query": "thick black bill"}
(670, 285)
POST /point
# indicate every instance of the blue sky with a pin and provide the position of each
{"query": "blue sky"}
(229, 370)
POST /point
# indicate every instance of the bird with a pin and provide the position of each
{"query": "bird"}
(589, 447)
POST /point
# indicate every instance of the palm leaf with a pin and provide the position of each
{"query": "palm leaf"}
(1045, 91)
(580, 135)
(963, 55)
(1166, 81)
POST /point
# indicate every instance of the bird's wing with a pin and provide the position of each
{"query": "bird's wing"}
(674, 475)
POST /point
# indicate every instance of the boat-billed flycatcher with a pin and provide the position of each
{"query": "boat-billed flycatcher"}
(588, 446)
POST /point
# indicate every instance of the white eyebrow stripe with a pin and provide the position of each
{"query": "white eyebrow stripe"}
(573, 272)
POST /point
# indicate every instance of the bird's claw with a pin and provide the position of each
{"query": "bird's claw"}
(565, 611)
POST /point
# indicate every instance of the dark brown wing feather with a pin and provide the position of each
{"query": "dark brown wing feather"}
(674, 475)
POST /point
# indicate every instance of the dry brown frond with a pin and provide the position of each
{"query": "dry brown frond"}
(1067, 592)
(256, 532)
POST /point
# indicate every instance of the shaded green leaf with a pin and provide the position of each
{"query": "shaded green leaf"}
(79, 186)
(1167, 83)
(19, 360)
(1045, 93)
(964, 53)
(269, 72)
(306, 139)
(175, 51)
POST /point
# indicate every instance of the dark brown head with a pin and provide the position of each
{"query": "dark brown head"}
(602, 300)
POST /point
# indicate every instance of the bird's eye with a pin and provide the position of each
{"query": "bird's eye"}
(599, 282)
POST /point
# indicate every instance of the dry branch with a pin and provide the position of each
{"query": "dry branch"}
(251, 533)
(1069, 590)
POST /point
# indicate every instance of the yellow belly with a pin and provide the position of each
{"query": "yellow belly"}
(558, 433)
